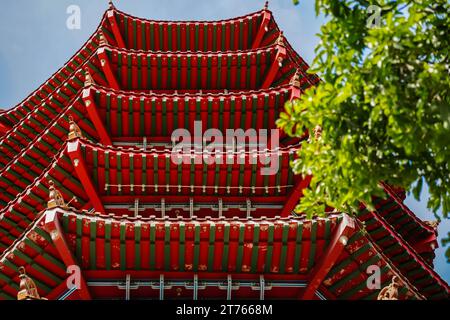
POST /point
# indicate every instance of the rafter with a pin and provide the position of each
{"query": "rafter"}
(276, 64)
(92, 111)
(337, 244)
(4, 128)
(262, 29)
(53, 227)
(115, 28)
(408, 249)
(107, 70)
(74, 151)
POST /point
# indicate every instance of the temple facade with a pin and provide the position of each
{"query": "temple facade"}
(95, 204)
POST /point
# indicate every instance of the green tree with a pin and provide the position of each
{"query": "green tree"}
(383, 104)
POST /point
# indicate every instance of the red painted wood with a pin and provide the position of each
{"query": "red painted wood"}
(267, 15)
(53, 227)
(281, 54)
(115, 29)
(93, 113)
(74, 151)
(295, 195)
(104, 61)
(343, 232)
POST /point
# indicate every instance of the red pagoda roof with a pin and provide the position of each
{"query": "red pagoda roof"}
(87, 177)
(285, 250)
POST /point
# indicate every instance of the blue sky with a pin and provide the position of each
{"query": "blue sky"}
(35, 42)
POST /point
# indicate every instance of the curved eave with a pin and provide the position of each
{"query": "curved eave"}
(247, 70)
(130, 116)
(422, 238)
(139, 33)
(33, 250)
(298, 246)
(56, 81)
(273, 34)
(35, 126)
(412, 265)
(123, 174)
(420, 229)
(349, 277)
(24, 167)
(19, 213)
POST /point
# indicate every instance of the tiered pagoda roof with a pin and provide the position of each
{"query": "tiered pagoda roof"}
(87, 178)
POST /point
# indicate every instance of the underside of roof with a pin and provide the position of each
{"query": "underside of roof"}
(142, 222)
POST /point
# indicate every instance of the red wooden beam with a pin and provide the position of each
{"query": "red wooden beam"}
(4, 128)
(343, 232)
(115, 28)
(173, 275)
(276, 65)
(92, 110)
(53, 227)
(262, 29)
(295, 195)
(74, 151)
(104, 62)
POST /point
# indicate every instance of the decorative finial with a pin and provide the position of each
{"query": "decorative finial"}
(390, 292)
(317, 132)
(55, 199)
(295, 80)
(266, 5)
(102, 38)
(27, 287)
(432, 223)
(111, 4)
(88, 80)
(280, 39)
(74, 129)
